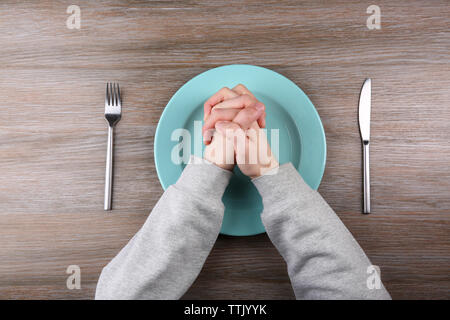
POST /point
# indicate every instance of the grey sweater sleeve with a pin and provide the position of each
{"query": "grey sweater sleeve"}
(324, 260)
(166, 255)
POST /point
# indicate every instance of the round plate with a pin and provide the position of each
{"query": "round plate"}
(301, 136)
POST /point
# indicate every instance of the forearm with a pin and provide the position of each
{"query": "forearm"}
(324, 260)
(166, 255)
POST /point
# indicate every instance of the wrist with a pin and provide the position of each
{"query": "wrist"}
(265, 169)
(225, 166)
(212, 179)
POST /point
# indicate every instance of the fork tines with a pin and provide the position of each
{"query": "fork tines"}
(112, 98)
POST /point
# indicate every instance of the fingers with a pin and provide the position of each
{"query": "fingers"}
(221, 95)
(238, 102)
(241, 89)
(234, 134)
(244, 107)
(251, 147)
(227, 104)
(242, 102)
(217, 115)
(227, 127)
(244, 118)
(262, 120)
(247, 116)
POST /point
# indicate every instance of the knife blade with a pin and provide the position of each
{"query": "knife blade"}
(365, 98)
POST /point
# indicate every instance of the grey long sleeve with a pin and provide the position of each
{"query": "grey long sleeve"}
(165, 257)
(324, 260)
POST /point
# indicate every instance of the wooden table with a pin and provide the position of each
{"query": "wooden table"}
(53, 133)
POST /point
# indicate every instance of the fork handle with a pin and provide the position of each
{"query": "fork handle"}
(109, 168)
(366, 177)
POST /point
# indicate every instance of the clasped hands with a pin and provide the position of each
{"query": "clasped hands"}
(233, 133)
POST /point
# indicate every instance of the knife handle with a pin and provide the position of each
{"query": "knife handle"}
(366, 177)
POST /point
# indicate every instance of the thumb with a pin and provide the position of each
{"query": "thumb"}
(235, 134)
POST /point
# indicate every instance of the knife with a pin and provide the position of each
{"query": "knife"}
(364, 128)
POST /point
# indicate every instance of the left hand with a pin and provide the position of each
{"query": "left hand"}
(219, 152)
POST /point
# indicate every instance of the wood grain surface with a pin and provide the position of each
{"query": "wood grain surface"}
(53, 133)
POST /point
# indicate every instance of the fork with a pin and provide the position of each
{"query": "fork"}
(113, 111)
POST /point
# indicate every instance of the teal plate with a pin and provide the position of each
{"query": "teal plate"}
(301, 136)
